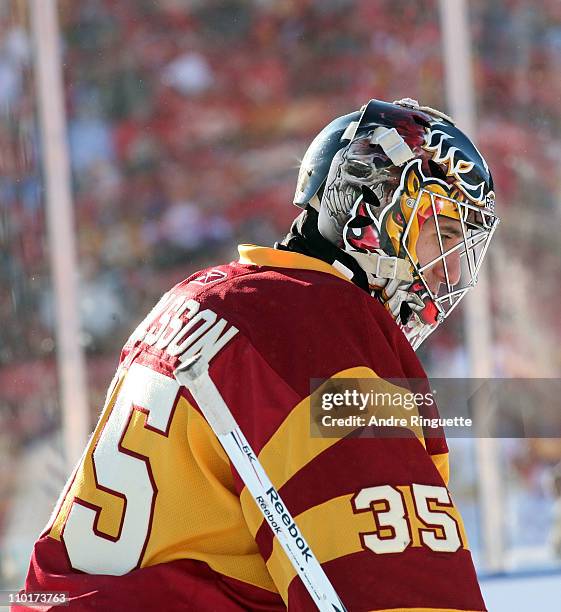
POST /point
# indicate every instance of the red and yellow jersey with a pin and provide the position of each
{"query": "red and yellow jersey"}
(154, 516)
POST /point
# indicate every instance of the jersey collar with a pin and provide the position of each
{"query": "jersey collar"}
(275, 258)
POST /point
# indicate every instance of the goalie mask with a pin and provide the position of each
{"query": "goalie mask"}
(407, 194)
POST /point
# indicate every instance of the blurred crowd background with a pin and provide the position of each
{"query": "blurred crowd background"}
(186, 123)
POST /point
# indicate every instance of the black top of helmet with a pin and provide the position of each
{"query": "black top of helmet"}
(315, 165)
(410, 121)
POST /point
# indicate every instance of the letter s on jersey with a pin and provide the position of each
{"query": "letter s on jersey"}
(202, 331)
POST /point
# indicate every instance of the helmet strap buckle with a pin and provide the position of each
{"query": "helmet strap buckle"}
(393, 145)
(386, 267)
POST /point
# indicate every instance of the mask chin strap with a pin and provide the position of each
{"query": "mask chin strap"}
(383, 266)
(390, 280)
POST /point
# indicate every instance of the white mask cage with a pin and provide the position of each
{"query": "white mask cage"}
(459, 257)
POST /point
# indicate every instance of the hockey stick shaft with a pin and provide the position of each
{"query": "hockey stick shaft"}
(194, 375)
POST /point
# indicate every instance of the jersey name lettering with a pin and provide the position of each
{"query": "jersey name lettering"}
(202, 331)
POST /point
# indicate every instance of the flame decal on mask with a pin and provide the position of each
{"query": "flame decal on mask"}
(446, 147)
